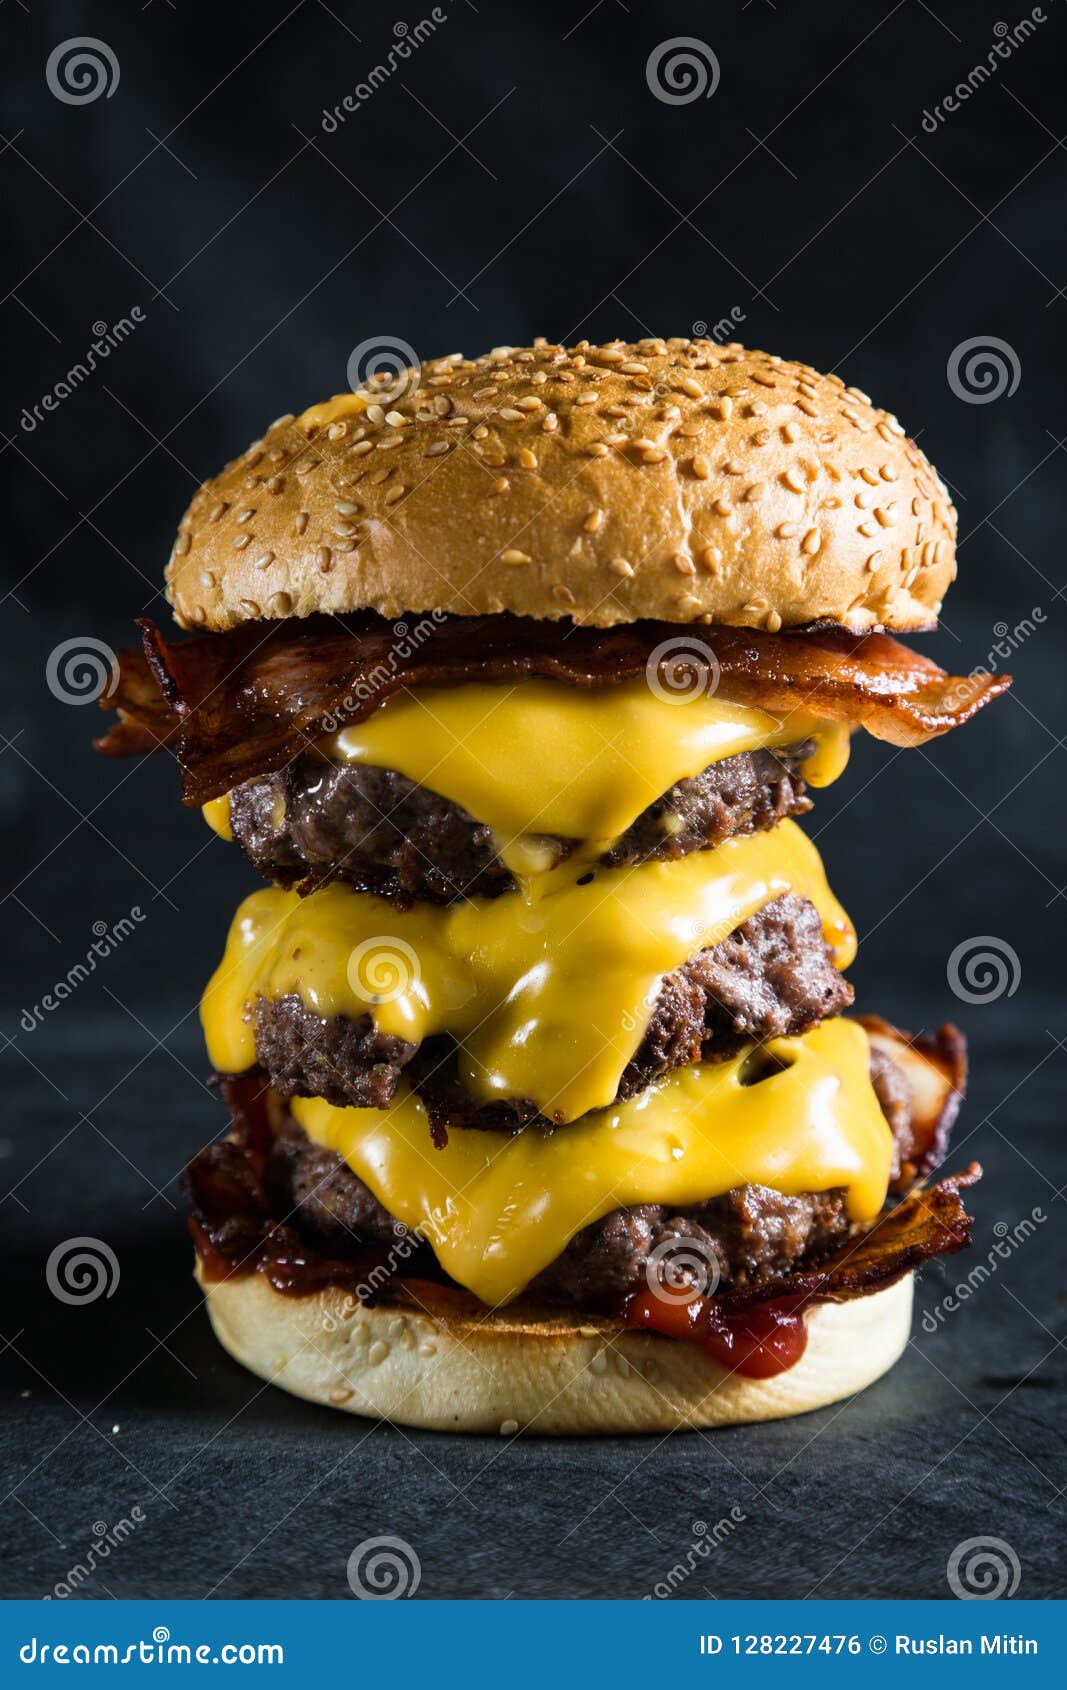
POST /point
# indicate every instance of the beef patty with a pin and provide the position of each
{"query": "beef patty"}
(376, 829)
(748, 1233)
(771, 977)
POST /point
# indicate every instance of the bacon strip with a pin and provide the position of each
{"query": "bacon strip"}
(932, 1069)
(245, 702)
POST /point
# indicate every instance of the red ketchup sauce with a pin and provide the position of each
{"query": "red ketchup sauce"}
(757, 1342)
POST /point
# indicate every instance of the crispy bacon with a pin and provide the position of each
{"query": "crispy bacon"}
(245, 702)
(932, 1069)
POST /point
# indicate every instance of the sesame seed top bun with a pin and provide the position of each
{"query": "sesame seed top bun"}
(677, 480)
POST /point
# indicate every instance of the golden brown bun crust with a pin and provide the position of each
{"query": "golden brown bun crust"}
(676, 480)
(457, 1368)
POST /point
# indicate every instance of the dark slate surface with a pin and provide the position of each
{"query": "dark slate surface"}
(128, 1403)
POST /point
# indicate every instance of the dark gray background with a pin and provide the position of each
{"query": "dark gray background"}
(517, 176)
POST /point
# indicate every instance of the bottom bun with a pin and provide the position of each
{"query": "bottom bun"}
(436, 1358)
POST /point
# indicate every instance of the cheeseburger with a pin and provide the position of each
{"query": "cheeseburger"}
(512, 677)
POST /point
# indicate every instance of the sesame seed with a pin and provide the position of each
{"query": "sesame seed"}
(510, 414)
(701, 468)
(633, 369)
(874, 561)
(721, 507)
(807, 407)
(562, 592)
(264, 560)
(864, 500)
(337, 431)
(621, 566)
(218, 512)
(362, 446)
(395, 493)
(527, 458)
(711, 558)
(774, 621)
(888, 472)
(241, 542)
(593, 521)
(244, 516)
(480, 433)
(281, 604)
(500, 485)
(789, 433)
(251, 606)
(344, 530)
(793, 479)
(787, 531)
(597, 451)
(182, 544)
(755, 492)
(586, 399)
(868, 530)
(513, 556)
(868, 475)
(653, 454)
(726, 406)
(885, 515)
(437, 448)
(811, 542)
(530, 403)
(395, 419)
(300, 521)
(550, 423)
(684, 565)
(207, 579)
(375, 414)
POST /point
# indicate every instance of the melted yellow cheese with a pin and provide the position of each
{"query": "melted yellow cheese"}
(548, 999)
(216, 812)
(497, 1209)
(542, 757)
